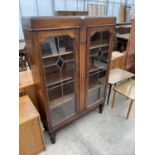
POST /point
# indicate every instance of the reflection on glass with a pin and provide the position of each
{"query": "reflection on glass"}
(98, 56)
(58, 57)
(54, 46)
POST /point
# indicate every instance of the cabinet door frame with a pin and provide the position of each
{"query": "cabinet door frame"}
(90, 32)
(73, 33)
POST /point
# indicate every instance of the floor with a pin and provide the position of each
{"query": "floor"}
(108, 133)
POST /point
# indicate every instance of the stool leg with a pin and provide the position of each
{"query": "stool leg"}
(113, 100)
(130, 106)
(99, 92)
(110, 85)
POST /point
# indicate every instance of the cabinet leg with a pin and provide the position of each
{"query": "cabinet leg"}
(113, 100)
(110, 85)
(100, 108)
(53, 137)
(45, 127)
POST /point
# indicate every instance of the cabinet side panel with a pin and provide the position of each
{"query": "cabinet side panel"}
(38, 79)
(40, 85)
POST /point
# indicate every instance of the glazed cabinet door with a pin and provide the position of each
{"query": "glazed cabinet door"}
(59, 54)
(99, 44)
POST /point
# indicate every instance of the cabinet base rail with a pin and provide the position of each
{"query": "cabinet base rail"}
(52, 132)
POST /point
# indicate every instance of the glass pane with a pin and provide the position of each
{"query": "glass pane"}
(97, 67)
(58, 55)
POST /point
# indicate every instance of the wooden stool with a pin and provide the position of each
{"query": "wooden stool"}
(31, 140)
(117, 75)
(126, 89)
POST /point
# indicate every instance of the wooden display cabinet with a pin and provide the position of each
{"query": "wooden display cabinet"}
(70, 62)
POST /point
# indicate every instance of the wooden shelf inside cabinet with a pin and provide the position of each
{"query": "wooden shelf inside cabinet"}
(94, 85)
(100, 65)
(97, 66)
(53, 61)
(102, 80)
(93, 69)
(55, 79)
(99, 46)
(54, 64)
(94, 54)
(55, 55)
(61, 100)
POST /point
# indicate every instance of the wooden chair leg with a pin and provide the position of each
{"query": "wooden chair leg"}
(130, 106)
(113, 100)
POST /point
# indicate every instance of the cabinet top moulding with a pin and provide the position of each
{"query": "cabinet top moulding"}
(62, 22)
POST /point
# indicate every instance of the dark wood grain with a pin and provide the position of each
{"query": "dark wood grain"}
(80, 29)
